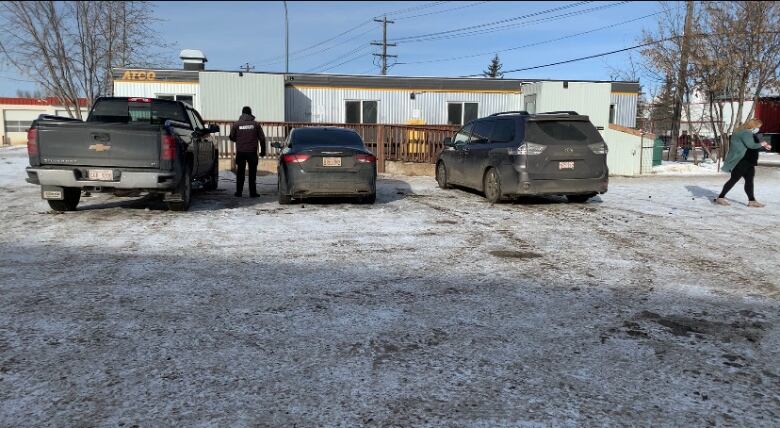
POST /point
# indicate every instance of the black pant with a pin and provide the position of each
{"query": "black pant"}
(241, 160)
(744, 169)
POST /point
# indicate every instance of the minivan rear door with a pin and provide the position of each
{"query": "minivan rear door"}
(568, 148)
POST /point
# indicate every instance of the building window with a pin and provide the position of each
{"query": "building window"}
(611, 114)
(460, 113)
(361, 111)
(177, 97)
(17, 125)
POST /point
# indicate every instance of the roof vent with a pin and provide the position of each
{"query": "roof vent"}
(193, 59)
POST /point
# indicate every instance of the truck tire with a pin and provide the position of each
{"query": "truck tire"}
(441, 176)
(185, 190)
(71, 199)
(213, 178)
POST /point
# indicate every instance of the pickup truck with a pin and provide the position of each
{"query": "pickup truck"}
(126, 146)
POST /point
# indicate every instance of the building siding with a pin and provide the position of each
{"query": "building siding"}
(625, 108)
(223, 95)
(587, 98)
(323, 105)
(154, 88)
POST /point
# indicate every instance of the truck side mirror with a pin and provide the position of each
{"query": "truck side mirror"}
(276, 145)
(213, 129)
(448, 142)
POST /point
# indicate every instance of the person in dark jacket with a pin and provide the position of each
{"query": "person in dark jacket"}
(248, 136)
(741, 161)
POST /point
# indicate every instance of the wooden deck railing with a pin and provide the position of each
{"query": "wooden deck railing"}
(406, 143)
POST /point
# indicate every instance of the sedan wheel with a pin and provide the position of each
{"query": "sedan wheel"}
(492, 186)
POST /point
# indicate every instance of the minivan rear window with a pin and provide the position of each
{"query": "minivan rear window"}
(564, 131)
(303, 138)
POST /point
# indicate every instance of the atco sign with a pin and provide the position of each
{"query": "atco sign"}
(139, 75)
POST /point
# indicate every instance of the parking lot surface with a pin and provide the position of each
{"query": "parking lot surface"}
(648, 305)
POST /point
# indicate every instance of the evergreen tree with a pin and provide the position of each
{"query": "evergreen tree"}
(494, 69)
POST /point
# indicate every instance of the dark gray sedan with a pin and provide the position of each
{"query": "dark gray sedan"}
(326, 162)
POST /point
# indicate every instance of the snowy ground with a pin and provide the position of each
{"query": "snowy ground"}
(687, 168)
(647, 306)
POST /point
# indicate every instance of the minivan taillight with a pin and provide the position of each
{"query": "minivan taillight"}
(168, 147)
(363, 158)
(527, 149)
(295, 158)
(32, 142)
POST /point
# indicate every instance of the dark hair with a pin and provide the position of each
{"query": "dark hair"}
(246, 110)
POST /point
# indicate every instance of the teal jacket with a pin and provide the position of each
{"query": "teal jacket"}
(739, 143)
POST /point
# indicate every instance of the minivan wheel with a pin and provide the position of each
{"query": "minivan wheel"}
(441, 176)
(579, 199)
(492, 186)
(71, 197)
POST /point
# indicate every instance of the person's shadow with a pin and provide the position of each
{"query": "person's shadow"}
(701, 192)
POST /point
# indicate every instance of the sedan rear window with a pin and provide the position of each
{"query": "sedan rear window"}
(302, 138)
(566, 131)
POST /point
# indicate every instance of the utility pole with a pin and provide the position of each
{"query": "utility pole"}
(286, 41)
(682, 77)
(384, 44)
(247, 68)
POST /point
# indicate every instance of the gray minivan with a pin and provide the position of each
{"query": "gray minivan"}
(517, 153)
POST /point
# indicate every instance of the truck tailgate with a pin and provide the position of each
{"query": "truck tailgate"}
(99, 144)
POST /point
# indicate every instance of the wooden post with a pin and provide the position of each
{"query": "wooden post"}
(380, 148)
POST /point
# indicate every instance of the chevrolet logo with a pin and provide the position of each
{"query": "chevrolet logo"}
(100, 147)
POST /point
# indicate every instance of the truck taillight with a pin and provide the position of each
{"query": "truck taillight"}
(295, 158)
(168, 148)
(32, 142)
(363, 158)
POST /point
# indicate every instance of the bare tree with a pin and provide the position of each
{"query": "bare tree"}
(734, 58)
(69, 48)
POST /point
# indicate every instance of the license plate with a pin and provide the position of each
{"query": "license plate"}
(331, 161)
(100, 174)
(566, 165)
(53, 194)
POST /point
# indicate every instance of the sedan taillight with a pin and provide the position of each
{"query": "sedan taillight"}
(363, 158)
(295, 158)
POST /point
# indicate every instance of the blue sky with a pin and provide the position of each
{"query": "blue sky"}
(233, 33)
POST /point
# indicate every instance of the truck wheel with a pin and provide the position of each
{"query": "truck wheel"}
(284, 198)
(71, 199)
(185, 191)
(441, 176)
(213, 179)
(492, 186)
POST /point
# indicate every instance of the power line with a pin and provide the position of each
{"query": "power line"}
(350, 53)
(442, 11)
(276, 59)
(650, 43)
(345, 62)
(519, 24)
(529, 44)
(555, 9)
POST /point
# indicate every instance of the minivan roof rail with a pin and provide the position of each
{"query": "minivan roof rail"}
(569, 112)
(522, 112)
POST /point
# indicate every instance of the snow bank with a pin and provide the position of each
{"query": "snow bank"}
(686, 168)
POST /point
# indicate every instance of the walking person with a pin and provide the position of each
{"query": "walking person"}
(248, 136)
(741, 161)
